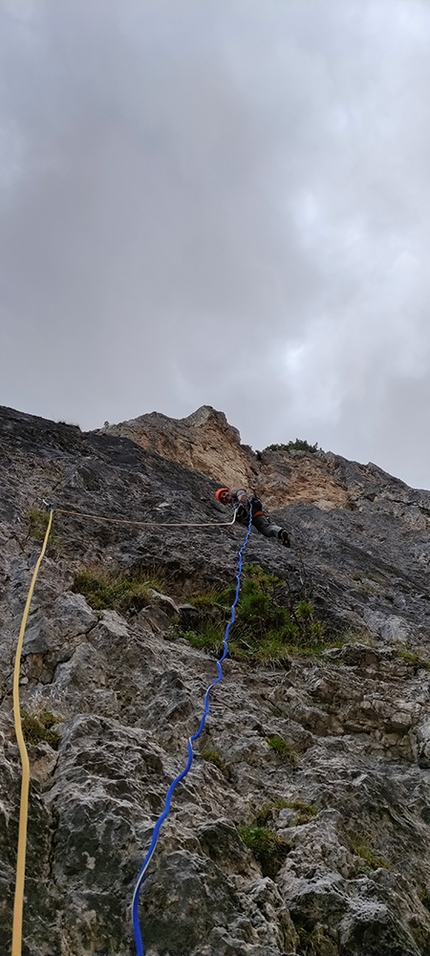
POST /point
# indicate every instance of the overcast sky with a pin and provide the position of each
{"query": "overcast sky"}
(221, 202)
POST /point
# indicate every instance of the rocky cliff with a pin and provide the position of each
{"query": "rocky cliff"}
(303, 826)
(206, 442)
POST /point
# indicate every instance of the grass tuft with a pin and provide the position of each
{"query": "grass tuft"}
(268, 629)
(283, 748)
(122, 592)
(269, 849)
(415, 660)
(305, 811)
(38, 523)
(366, 853)
(39, 727)
(212, 756)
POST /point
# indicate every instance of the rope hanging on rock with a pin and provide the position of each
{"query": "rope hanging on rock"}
(135, 904)
(25, 779)
(149, 524)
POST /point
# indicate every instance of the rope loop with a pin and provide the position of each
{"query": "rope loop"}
(143, 524)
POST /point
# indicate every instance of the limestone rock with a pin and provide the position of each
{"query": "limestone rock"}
(349, 799)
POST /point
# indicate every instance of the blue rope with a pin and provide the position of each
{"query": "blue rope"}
(135, 905)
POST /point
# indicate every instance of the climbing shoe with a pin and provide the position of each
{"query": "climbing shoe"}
(284, 538)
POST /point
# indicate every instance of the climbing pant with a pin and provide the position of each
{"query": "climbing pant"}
(266, 527)
(260, 522)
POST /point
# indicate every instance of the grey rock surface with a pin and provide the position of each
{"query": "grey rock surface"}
(126, 692)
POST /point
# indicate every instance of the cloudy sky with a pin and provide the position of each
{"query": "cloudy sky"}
(221, 202)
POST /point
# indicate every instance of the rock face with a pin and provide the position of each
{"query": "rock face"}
(205, 442)
(346, 803)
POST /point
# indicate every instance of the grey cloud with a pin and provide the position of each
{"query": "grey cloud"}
(224, 203)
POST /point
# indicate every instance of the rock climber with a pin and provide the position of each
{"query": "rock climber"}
(243, 501)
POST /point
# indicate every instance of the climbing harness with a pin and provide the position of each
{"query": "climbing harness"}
(135, 903)
(25, 763)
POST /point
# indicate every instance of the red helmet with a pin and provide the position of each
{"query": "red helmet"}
(219, 492)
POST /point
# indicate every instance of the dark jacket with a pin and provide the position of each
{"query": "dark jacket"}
(247, 500)
(242, 501)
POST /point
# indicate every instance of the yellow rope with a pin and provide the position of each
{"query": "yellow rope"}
(25, 782)
(150, 524)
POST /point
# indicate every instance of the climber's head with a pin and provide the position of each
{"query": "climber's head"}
(223, 495)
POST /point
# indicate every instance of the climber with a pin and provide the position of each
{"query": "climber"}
(243, 501)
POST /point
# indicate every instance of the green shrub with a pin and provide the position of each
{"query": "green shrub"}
(269, 849)
(282, 748)
(120, 591)
(39, 727)
(300, 444)
(265, 630)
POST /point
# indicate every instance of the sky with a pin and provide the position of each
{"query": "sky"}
(220, 202)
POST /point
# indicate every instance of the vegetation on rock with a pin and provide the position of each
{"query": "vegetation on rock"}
(283, 748)
(269, 849)
(415, 660)
(212, 756)
(300, 444)
(39, 727)
(268, 626)
(304, 811)
(120, 592)
(361, 847)
(38, 523)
